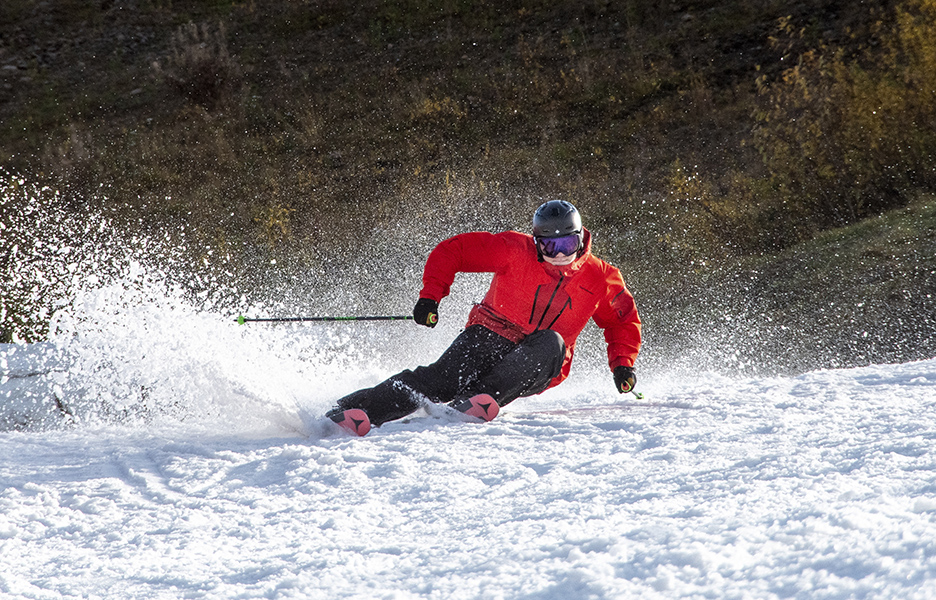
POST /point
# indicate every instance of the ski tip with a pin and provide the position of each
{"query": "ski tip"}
(353, 420)
(482, 406)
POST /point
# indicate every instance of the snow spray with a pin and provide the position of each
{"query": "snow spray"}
(129, 333)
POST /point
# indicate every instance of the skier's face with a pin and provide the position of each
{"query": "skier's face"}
(559, 251)
(560, 260)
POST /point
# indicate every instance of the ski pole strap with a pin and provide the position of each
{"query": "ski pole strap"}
(242, 319)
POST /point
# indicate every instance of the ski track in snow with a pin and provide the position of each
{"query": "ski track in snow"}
(816, 486)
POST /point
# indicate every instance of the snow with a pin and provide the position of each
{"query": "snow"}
(815, 486)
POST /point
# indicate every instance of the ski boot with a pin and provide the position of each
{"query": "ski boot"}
(352, 420)
(481, 406)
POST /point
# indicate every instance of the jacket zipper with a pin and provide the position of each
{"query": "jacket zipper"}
(548, 305)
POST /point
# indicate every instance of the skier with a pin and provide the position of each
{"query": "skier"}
(520, 339)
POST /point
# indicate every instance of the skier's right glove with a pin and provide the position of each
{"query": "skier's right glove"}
(624, 379)
(426, 312)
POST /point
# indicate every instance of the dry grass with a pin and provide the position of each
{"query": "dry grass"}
(691, 133)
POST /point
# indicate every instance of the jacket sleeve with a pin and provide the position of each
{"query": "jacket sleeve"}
(617, 316)
(474, 252)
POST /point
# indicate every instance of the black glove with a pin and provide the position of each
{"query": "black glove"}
(426, 312)
(625, 379)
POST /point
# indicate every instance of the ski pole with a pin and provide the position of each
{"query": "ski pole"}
(637, 394)
(242, 319)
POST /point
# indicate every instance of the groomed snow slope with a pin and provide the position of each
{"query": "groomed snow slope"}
(816, 486)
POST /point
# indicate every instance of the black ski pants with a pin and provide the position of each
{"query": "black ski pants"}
(479, 361)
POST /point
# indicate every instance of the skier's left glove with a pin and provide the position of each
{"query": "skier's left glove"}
(624, 379)
(426, 312)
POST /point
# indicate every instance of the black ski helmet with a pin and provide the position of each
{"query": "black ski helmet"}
(557, 218)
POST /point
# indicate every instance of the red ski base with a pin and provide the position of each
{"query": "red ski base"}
(482, 406)
(353, 420)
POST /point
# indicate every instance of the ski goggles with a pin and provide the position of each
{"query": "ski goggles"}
(553, 247)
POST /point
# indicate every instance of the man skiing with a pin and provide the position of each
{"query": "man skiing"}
(520, 339)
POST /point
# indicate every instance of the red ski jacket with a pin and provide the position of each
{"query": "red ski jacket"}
(528, 294)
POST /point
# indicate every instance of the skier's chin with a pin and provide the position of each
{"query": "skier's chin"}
(561, 260)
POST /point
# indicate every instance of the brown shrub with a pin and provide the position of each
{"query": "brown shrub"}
(844, 138)
(199, 66)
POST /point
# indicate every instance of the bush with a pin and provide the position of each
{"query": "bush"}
(844, 138)
(199, 66)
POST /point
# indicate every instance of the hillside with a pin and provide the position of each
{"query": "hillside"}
(858, 295)
(325, 136)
